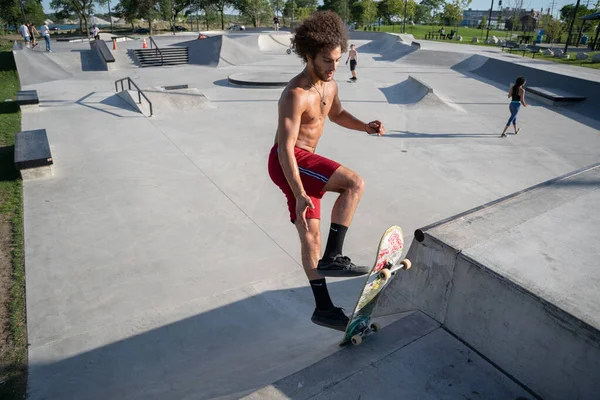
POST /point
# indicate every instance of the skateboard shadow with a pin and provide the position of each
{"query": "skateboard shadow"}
(419, 135)
(223, 352)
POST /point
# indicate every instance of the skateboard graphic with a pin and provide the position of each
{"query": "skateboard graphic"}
(386, 265)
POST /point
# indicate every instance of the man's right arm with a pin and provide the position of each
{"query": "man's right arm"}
(291, 108)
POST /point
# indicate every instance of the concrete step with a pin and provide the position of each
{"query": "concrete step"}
(497, 279)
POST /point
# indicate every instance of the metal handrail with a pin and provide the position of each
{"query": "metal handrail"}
(152, 42)
(140, 93)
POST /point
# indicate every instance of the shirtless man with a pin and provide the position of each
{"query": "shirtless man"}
(304, 176)
(353, 58)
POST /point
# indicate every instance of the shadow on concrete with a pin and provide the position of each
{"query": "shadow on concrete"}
(417, 135)
(90, 60)
(113, 102)
(232, 349)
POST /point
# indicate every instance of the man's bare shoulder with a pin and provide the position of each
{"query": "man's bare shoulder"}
(294, 92)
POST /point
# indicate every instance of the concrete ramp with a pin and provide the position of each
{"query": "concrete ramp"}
(274, 43)
(517, 280)
(502, 73)
(415, 93)
(167, 102)
(35, 67)
(222, 51)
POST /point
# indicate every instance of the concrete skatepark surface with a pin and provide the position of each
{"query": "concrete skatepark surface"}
(160, 259)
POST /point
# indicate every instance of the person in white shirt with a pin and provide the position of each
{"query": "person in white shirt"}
(25, 33)
(96, 32)
(46, 34)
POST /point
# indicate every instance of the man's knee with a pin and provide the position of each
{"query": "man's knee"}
(358, 183)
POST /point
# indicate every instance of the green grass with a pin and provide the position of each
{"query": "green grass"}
(579, 63)
(13, 356)
(419, 31)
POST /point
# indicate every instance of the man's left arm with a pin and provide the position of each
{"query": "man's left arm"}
(338, 115)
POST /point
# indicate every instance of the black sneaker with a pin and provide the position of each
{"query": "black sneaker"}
(333, 318)
(340, 266)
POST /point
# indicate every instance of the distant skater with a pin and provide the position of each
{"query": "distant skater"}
(517, 94)
(353, 58)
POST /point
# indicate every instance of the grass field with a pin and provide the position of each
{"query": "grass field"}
(13, 327)
(419, 31)
(579, 63)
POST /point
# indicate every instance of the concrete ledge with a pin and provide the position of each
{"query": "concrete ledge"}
(33, 158)
(553, 97)
(100, 47)
(28, 100)
(261, 79)
(495, 278)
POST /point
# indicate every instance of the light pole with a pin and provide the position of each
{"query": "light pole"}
(571, 27)
(404, 22)
(487, 35)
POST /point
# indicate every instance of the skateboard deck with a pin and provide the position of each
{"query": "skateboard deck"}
(384, 269)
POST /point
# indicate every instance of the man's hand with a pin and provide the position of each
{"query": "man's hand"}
(375, 127)
(302, 202)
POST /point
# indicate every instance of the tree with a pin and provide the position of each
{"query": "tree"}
(421, 13)
(566, 12)
(257, 11)
(220, 6)
(453, 12)
(434, 6)
(11, 12)
(363, 11)
(553, 29)
(483, 22)
(338, 6)
(302, 9)
(211, 14)
(83, 9)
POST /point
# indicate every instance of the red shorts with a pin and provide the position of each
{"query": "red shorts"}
(315, 172)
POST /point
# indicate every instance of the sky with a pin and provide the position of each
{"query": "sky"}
(475, 4)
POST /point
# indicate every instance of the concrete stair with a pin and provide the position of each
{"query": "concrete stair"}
(170, 56)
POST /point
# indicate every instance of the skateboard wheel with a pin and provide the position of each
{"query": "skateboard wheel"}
(406, 262)
(356, 340)
(385, 274)
(375, 327)
(289, 51)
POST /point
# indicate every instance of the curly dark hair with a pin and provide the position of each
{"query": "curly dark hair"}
(323, 30)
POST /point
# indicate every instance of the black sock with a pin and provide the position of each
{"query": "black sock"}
(335, 242)
(322, 300)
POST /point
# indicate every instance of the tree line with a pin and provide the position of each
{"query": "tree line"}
(260, 12)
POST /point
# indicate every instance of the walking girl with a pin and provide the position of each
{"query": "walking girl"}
(517, 95)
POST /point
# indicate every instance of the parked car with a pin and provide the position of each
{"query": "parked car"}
(237, 27)
(54, 28)
(180, 28)
(142, 30)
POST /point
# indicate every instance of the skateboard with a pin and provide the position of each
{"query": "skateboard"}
(386, 265)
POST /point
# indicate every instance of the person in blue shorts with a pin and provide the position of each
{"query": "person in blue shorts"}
(517, 95)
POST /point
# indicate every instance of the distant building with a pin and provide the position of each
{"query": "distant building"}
(528, 19)
(473, 18)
